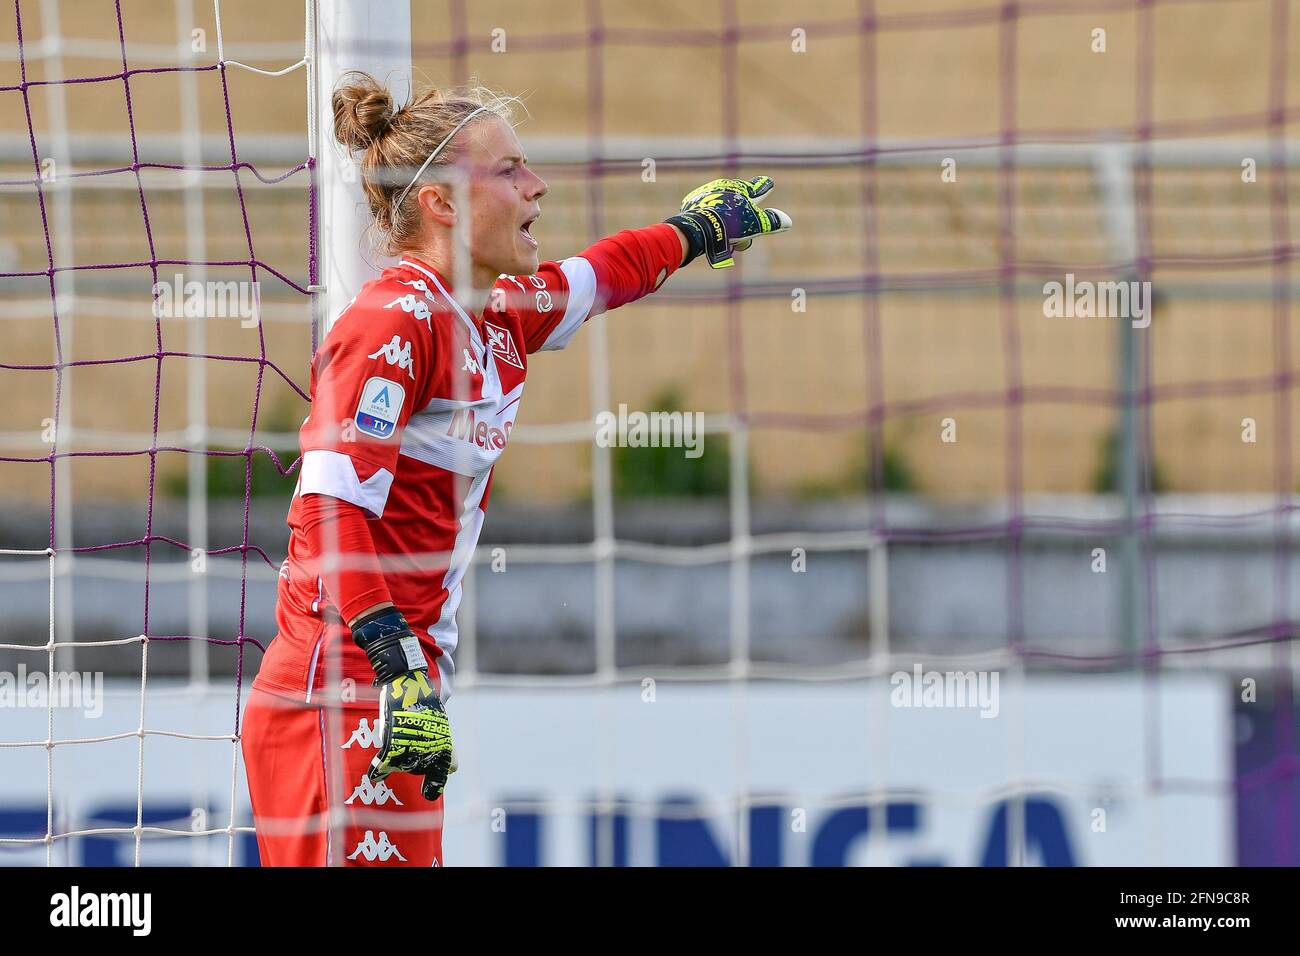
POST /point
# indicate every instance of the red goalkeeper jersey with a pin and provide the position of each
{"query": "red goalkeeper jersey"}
(413, 400)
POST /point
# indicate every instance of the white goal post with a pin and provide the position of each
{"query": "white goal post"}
(375, 37)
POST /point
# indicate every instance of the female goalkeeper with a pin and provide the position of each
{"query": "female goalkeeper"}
(414, 393)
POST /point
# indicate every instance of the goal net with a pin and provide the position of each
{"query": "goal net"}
(976, 549)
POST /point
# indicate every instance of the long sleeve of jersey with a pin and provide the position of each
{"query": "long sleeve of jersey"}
(633, 263)
(553, 304)
(339, 543)
(370, 374)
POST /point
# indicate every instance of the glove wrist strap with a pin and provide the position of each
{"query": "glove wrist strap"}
(389, 643)
(689, 224)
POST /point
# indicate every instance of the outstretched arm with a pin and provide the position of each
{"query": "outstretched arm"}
(716, 220)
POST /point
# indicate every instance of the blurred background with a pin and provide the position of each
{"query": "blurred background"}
(908, 463)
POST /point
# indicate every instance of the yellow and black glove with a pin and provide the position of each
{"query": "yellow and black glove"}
(416, 732)
(721, 217)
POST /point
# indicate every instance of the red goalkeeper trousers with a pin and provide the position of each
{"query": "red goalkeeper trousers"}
(313, 804)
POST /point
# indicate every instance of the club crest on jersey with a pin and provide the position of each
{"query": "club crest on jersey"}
(396, 353)
(501, 342)
(379, 408)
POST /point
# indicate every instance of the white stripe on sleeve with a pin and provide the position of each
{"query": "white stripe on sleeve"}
(332, 473)
(582, 296)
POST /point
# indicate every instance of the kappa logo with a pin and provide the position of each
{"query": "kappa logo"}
(502, 343)
(420, 286)
(367, 735)
(396, 353)
(471, 363)
(371, 794)
(417, 307)
(284, 569)
(372, 849)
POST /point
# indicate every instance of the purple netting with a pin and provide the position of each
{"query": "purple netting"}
(160, 354)
(596, 38)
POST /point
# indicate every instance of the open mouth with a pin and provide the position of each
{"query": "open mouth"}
(526, 231)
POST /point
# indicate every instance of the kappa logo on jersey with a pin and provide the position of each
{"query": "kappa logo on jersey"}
(367, 735)
(372, 849)
(501, 342)
(471, 363)
(380, 407)
(373, 793)
(284, 569)
(396, 353)
(417, 307)
(420, 286)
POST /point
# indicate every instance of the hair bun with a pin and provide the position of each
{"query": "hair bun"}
(363, 111)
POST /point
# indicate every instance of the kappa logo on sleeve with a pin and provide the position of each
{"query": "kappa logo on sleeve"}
(396, 352)
(380, 407)
(502, 344)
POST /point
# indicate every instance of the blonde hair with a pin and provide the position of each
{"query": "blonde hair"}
(396, 143)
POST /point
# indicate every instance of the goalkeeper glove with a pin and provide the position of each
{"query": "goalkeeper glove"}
(416, 733)
(721, 216)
